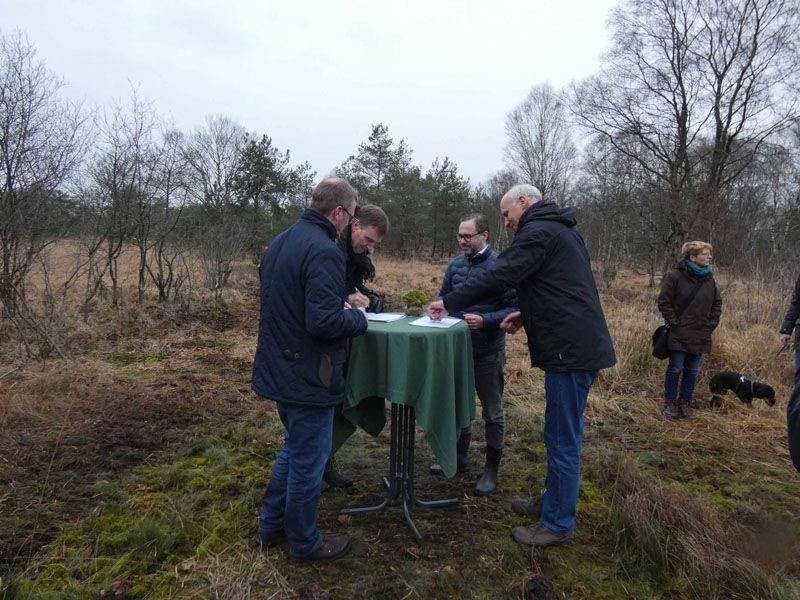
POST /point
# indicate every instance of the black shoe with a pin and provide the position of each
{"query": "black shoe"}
(271, 539)
(331, 548)
(334, 477)
(528, 508)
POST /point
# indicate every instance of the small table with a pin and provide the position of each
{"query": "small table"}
(427, 375)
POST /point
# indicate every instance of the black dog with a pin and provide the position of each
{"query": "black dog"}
(746, 389)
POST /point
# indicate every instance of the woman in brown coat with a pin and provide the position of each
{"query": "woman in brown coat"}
(689, 333)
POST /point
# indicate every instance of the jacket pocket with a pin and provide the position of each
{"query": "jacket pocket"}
(325, 370)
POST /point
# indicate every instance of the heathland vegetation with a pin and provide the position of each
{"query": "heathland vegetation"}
(133, 453)
(135, 467)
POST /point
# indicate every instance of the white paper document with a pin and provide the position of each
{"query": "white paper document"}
(428, 322)
(384, 317)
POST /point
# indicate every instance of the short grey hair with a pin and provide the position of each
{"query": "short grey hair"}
(524, 189)
(332, 192)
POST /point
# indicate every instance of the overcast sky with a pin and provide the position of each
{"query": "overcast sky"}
(314, 75)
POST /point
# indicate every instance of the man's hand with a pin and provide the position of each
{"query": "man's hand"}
(474, 321)
(436, 310)
(786, 338)
(358, 300)
(512, 323)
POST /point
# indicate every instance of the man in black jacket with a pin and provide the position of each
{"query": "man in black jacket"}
(357, 242)
(488, 345)
(568, 339)
(789, 325)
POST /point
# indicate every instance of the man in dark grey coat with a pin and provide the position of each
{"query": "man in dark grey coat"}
(548, 264)
(299, 364)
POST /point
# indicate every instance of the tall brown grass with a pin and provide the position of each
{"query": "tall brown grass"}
(652, 521)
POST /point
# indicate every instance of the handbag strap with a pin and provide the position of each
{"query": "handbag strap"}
(688, 300)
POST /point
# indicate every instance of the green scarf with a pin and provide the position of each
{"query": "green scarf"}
(697, 269)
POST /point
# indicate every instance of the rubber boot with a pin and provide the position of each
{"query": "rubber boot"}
(488, 481)
(462, 454)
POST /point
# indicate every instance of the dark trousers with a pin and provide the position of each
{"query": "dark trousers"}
(797, 365)
(489, 384)
(290, 502)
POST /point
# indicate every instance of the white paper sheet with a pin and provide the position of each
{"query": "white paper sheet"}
(385, 317)
(428, 322)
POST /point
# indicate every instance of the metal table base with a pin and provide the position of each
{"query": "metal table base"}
(400, 482)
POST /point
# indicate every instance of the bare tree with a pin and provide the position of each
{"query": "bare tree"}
(42, 142)
(539, 146)
(221, 244)
(121, 175)
(690, 90)
(213, 155)
(165, 212)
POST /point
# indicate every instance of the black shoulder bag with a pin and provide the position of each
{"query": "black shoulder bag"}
(661, 334)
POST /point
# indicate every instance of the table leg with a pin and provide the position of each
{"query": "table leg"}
(400, 482)
(410, 476)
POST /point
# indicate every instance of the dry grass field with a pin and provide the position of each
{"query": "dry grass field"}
(134, 468)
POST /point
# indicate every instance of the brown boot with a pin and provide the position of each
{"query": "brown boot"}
(685, 408)
(671, 410)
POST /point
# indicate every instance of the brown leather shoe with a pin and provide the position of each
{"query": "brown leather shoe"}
(685, 408)
(671, 410)
(540, 536)
(331, 548)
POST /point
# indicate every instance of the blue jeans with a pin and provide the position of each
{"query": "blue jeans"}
(681, 362)
(290, 502)
(566, 395)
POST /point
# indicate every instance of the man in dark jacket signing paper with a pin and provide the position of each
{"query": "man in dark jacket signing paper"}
(568, 339)
(299, 364)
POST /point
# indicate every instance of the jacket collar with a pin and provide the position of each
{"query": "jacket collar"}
(319, 220)
(548, 211)
(481, 256)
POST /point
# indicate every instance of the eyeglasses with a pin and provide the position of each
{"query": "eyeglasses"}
(350, 216)
(465, 237)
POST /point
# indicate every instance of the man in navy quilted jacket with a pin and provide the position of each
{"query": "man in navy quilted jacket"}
(488, 345)
(299, 363)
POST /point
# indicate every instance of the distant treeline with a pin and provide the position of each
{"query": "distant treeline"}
(689, 130)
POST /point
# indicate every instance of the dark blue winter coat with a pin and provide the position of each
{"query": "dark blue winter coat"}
(302, 327)
(493, 309)
(793, 421)
(548, 264)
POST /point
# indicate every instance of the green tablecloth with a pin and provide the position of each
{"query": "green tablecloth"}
(430, 369)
